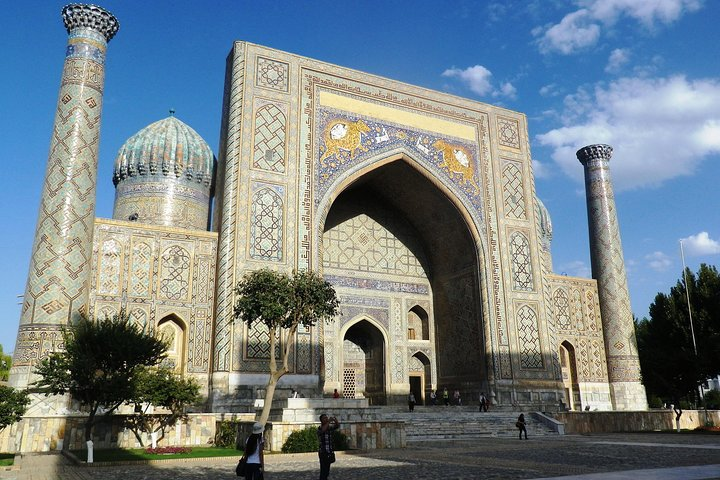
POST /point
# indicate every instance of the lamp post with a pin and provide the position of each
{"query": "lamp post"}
(687, 296)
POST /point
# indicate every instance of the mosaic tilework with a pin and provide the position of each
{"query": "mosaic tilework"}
(362, 244)
(230, 150)
(562, 308)
(270, 133)
(348, 141)
(372, 284)
(513, 192)
(608, 266)
(530, 351)
(110, 268)
(267, 223)
(508, 133)
(164, 273)
(574, 316)
(272, 74)
(60, 263)
(175, 273)
(521, 262)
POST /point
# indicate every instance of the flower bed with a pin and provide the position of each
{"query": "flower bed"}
(168, 450)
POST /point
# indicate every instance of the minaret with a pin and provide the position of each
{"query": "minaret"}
(608, 268)
(57, 285)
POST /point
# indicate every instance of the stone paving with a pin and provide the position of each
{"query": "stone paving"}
(486, 458)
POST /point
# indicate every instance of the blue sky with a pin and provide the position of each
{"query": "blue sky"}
(641, 75)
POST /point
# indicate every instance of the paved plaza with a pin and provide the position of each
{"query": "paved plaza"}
(590, 457)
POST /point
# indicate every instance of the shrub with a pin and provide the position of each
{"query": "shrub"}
(655, 402)
(712, 399)
(226, 433)
(306, 440)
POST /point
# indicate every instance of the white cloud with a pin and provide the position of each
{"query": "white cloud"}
(618, 58)
(476, 78)
(658, 261)
(700, 244)
(659, 128)
(577, 268)
(550, 90)
(479, 80)
(540, 169)
(574, 32)
(582, 28)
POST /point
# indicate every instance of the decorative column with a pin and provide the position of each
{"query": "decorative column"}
(57, 285)
(608, 268)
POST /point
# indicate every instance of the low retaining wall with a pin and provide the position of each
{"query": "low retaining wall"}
(652, 420)
(362, 435)
(44, 434)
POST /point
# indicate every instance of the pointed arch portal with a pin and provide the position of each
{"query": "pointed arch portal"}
(421, 223)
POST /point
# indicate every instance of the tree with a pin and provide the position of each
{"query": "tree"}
(99, 364)
(670, 365)
(167, 392)
(5, 364)
(13, 404)
(282, 303)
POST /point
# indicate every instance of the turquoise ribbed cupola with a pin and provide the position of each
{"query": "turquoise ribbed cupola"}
(163, 176)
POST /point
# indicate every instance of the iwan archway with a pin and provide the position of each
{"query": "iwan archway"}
(394, 244)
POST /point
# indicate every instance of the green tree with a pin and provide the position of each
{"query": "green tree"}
(283, 302)
(13, 404)
(5, 364)
(670, 365)
(161, 399)
(99, 364)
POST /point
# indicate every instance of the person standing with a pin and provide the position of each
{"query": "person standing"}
(326, 454)
(446, 396)
(520, 424)
(483, 402)
(457, 398)
(254, 446)
(433, 397)
(411, 401)
(336, 394)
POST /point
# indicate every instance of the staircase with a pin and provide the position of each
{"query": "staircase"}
(464, 423)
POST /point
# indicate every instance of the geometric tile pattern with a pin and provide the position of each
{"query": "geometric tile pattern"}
(272, 74)
(513, 193)
(508, 135)
(363, 244)
(561, 306)
(609, 266)
(266, 227)
(258, 341)
(175, 273)
(269, 151)
(226, 211)
(109, 281)
(578, 314)
(140, 269)
(530, 353)
(522, 275)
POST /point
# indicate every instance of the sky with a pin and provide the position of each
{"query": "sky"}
(640, 75)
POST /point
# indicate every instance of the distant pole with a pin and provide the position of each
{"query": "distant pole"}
(687, 295)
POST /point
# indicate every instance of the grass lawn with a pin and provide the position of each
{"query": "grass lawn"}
(138, 454)
(6, 459)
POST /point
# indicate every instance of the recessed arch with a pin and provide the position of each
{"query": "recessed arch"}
(568, 367)
(173, 329)
(418, 323)
(363, 361)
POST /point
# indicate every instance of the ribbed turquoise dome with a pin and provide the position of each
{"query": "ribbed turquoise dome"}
(163, 176)
(168, 148)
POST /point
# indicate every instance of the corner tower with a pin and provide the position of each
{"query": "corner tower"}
(608, 268)
(57, 285)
